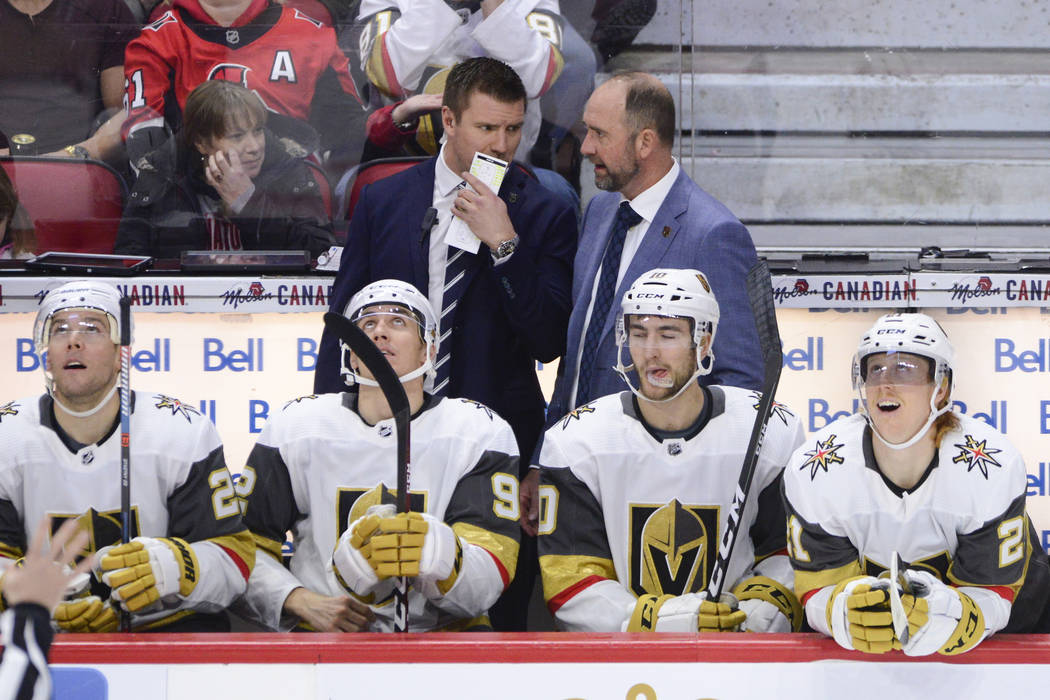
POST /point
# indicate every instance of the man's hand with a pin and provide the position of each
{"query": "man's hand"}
(46, 571)
(484, 212)
(329, 613)
(226, 174)
(529, 499)
(859, 615)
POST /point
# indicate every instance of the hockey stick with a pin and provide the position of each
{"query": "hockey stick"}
(394, 392)
(125, 436)
(760, 295)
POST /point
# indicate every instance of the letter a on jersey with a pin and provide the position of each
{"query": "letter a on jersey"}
(283, 69)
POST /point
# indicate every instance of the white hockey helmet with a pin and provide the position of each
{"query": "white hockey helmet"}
(396, 293)
(917, 334)
(677, 293)
(83, 294)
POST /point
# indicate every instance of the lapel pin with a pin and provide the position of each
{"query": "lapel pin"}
(513, 197)
(666, 232)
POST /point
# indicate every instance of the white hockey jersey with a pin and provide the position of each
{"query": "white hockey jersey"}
(318, 466)
(619, 503)
(964, 522)
(180, 487)
(408, 47)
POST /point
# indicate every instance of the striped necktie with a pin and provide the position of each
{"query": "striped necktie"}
(456, 266)
(603, 299)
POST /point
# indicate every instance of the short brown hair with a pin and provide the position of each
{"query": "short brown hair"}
(485, 75)
(648, 105)
(216, 104)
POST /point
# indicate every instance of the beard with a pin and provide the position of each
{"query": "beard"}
(616, 180)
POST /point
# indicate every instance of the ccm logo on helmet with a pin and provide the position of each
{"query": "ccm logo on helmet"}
(889, 331)
(652, 295)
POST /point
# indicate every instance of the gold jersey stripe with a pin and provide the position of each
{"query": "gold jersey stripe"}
(562, 571)
(502, 547)
(240, 543)
(271, 547)
(806, 581)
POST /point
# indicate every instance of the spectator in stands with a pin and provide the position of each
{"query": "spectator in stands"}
(227, 182)
(32, 590)
(62, 70)
(17, 238)
(508, 299)
(289, 59)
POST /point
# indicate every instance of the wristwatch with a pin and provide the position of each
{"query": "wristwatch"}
(505, 248)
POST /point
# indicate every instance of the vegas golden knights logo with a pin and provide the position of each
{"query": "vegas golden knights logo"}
(672, 547)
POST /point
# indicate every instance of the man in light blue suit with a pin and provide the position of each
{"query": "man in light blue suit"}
(650, 215)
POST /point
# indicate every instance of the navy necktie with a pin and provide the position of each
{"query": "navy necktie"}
(457, 263)
(603, 299)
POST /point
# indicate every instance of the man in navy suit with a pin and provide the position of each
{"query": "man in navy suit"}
(630, 123)
(512, 298)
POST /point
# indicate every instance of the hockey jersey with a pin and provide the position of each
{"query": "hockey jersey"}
(317, 466)
(621, 504)
(280, 53)
(180, 487)
(409, 46)
(964, 522)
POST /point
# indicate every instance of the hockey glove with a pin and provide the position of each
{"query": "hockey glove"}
(769, 605)
(944, 621)
(148, 570)
(88, 614)
(859, 615)
(691, 612)
(421, 546)
(353, 557)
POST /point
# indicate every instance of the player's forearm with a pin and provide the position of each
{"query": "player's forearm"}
(406, 48)
(479, 584)
(506, 35)
(220, 579)
(604, 606)
(268, 590)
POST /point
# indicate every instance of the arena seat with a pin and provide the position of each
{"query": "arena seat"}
(348, 190)
(324, 184)
(75, 204)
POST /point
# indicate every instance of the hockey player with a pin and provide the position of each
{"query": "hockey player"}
(283, 55)
(910, 478)
(636, 485)
(324, 466)
(60, 457)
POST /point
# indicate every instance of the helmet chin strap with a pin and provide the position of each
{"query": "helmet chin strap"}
(935, 413)
(90, 411)
(419, 371)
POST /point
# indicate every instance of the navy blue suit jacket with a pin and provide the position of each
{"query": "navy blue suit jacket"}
(691, 229)
(509, 317)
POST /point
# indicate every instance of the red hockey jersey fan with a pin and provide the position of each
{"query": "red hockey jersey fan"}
(282, 54)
